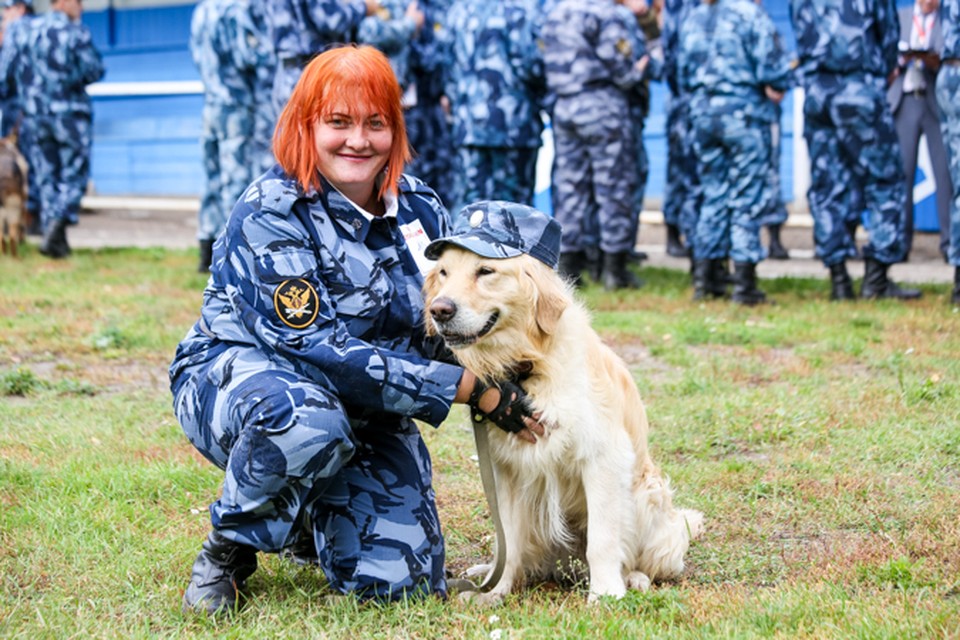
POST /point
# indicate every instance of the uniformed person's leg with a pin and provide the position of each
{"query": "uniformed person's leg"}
(235, 167)
(209, 216)
(377, 525)
(46, 160)
(281, 440)
(677, 180)
(868, 138)
(948, 97)
(571, 193)
(513, 175)
(710, 238)
(749, 197)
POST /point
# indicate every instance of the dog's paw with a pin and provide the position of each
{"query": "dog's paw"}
(614, 588)
(638, 581)
(488, 599)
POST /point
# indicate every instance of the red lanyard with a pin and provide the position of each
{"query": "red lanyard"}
(922, 26)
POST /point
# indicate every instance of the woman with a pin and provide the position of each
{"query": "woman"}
(309, 362)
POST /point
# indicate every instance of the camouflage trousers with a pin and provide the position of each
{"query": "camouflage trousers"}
(777, 211)
(291, 454)
(227, 164)
(495, 173)
(853, 145)
(733, 160)
(682, 193)
(948, 97)
(59, 157)
(433, 152)
(595, 173)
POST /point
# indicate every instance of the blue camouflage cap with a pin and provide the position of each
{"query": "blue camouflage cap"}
(501, 229)
(13, 3)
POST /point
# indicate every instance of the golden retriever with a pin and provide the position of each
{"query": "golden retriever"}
(588, 490)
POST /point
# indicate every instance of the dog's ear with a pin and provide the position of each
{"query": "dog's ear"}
(430, 284)
(551, 296)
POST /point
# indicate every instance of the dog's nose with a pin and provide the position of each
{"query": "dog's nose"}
(442, 309)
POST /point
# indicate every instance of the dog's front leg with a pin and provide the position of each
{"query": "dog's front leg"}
(604, 487)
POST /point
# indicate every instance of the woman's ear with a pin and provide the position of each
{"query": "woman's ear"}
(552, 297)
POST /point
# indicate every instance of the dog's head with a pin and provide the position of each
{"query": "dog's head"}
(494, 292)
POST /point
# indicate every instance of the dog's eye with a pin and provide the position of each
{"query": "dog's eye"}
(484, 271)
(442, 272)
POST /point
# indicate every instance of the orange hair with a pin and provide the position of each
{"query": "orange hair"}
(351, 75)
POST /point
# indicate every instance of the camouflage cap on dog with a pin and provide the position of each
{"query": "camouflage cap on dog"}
(501, 229)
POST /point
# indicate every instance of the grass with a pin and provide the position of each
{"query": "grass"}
(820, 439)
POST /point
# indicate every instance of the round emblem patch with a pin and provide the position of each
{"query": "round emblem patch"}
(476, 219)
(296, 302)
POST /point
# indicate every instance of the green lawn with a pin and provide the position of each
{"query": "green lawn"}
(821, 440)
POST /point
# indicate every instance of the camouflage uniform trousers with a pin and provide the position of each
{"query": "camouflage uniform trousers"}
(852, 141)
(734, 164)
(495, 173)
(227, 163)
(59, 155)
(287, 75)
(777, 212)
(682, 193)
(290, 452)
(948, 97)
(594, 173)
(433, 154)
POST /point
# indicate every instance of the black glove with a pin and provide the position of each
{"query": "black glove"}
(514, 405)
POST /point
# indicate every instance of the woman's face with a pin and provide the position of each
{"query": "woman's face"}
(352, 150)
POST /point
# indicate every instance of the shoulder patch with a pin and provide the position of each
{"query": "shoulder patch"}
(296, 303)
(624, 48)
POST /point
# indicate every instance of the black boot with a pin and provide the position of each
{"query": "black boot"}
(616, 275)
(593, 262)
(777, 250)
(710, 279)
(876, 284)
(745, 289)
(955, 296)
(841, 286)
(675, 246)
(219, 573)
(206, 256)
(571, 266)
(54, 243)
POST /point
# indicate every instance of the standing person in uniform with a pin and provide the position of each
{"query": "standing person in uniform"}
(309, 363)
(227, 50)
(300, 29)
(733, 69)
(264, 117)
(915, 111)
(848, 53)
(592, 71)
(948, 97)
(17, 15)
(494, 80)
(51, 69)
(428, 117)
(682, 193)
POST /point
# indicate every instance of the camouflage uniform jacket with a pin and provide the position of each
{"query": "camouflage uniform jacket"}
(729, 52)
(495, 74)
(227, 49)
(51, 66)
(333, 294)
(840, 37)
(303, 28)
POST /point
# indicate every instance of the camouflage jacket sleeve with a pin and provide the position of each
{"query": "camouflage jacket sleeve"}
(313, 283)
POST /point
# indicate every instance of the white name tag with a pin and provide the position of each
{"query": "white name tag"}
(417, 241)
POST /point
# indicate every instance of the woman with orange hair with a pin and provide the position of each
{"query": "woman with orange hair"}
(309, 363)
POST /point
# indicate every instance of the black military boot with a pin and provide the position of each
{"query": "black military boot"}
(955, 296)
(206, 256)
(841, 286)
(777, 250)
(616, 275)
(876, 284)
(675, 246)
(710, 278)
(745, 289)
(593, 262)
(54, 243)
(219, 573)
(571, 266)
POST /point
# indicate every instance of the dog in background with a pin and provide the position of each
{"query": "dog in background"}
(588, 490)
(13, 197)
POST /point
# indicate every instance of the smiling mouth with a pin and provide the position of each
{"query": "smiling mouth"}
(455, 340)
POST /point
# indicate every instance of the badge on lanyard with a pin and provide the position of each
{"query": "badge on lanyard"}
(417, 241)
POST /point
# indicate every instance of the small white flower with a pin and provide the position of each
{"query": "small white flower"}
(496, 634)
